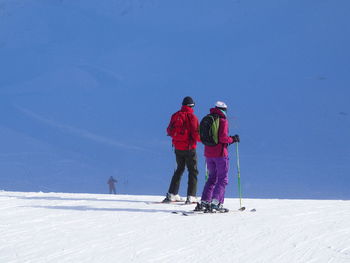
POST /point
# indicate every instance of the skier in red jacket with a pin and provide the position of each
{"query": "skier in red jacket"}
(184, 130)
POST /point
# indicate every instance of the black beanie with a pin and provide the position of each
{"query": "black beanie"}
(188, 101)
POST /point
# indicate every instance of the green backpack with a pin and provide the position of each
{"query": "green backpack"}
(209, 130)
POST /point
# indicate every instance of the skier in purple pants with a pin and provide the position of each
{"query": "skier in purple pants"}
(218, 165)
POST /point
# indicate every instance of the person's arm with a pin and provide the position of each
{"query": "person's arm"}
(223, 132)
(194, 128)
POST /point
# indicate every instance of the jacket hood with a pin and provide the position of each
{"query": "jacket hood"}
(187, 109)
(218, 112)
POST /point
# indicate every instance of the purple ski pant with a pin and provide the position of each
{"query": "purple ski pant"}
(218, 178)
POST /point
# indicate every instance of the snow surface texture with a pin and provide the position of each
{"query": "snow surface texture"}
(87, 88)
(58, 227)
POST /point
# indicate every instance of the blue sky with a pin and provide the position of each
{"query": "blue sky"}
(88, 88)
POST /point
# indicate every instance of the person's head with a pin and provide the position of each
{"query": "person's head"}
(221, 105)
(188, 101)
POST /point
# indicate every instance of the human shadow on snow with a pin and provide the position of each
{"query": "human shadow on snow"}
(54, 198)
(88, 208)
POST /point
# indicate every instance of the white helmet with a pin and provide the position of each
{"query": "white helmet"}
(221, 104)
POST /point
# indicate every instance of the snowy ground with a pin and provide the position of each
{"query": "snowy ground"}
(57, 227)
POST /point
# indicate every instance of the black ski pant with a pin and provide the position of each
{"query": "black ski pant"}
(185, 159)
(112, 189)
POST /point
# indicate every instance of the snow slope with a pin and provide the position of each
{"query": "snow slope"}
(61, 227)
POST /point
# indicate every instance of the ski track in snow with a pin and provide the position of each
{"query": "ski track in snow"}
(61, 227)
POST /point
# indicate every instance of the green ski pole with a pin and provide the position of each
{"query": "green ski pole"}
(206, 171)
(239, 179)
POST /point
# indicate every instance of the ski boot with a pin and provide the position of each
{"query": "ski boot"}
(202, 207)
(217, 207)
(171, 198)
(191, 200)
(167, 199)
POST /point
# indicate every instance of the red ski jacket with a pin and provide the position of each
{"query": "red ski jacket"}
(191, 127)
(220, 149)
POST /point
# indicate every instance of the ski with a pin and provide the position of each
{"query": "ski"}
(192, 213)
(188, 213)
(166, 203)
(171, 203)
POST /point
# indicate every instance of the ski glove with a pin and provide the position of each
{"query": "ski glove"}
(235, 138)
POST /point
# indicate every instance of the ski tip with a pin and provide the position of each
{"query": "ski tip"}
(242, 208)
(253, 210)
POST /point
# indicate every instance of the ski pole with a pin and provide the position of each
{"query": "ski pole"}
(206, 171)
(239, 179)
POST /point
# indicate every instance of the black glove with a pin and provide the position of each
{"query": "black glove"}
(235, 138)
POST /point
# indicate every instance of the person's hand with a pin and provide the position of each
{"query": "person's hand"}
(235, 138)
